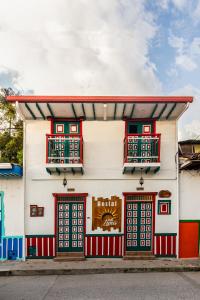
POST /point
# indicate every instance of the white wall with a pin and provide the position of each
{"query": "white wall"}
(13, 206)
(103, 161)
(189, 195)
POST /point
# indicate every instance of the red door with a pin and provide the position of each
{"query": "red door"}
(189, 239)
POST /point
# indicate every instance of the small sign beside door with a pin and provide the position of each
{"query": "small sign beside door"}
(164, 194)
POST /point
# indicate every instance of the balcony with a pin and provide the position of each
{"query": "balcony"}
(141, 151)
(64, 153)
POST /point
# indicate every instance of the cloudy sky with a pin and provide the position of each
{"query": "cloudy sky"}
(103, 47)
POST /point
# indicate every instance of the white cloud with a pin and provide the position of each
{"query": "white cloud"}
(186, 62)
(195, 46)
(196, 12)
(178, 43)
(79, 46)
(180, 4)
(187, 54)
(163, 4)
(189, 123)
(192, 130)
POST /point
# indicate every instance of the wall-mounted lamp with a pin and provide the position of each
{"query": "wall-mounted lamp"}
(64, 180)
(141, 181)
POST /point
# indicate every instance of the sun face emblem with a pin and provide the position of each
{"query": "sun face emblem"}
(108, 220)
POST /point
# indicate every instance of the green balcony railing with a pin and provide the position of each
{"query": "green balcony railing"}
(142, 148)
(64, 149)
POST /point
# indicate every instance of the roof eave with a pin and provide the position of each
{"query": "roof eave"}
(100, 99)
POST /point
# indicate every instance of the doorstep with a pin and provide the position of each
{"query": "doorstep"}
(69, 256)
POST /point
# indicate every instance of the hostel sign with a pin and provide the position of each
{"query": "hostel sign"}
(106, 213)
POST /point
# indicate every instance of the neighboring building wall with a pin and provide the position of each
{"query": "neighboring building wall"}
(189, 213)
(12, 214)
(189, 195)
(103, 161)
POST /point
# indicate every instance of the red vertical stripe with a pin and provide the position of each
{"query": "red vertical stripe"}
(28, 245)
(51, 246)
(169, 245)
(157, 245)
(111, 246)
(105, 248)
(34, 241)
(85, 246)
(99, 245)
(88, 245)
(94, 246)
(45, 241)
(174, 246)
(163, 245)
(46, 149)
(120, 245)
(39, 246)
(117, 246)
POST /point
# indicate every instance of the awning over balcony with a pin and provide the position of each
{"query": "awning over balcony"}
(130, 168)
(101, 107)
(8, 170)
(65, 168)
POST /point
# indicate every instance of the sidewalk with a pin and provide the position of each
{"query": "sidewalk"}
(100, 266)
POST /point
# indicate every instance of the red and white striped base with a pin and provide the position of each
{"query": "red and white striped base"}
(101, 245)
(165, 245)
(45, 246)
(104, 246)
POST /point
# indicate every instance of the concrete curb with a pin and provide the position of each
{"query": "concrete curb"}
(39, 272)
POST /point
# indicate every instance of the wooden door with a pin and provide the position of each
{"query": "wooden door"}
(70, 226)
(139, 224)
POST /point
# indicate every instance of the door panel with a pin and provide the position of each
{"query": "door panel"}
(189, 239)
(70, 226)
(139, 226)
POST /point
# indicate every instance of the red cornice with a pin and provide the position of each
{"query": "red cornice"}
(70, 194)
(139, 193)
(100, 99)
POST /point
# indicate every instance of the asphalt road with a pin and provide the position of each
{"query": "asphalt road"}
(111, 286)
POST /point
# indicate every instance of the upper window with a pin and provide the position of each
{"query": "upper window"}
(66, 127)
(143, 127)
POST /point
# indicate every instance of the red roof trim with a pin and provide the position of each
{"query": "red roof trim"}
(139, 193)
(70, 194)
(100, 99)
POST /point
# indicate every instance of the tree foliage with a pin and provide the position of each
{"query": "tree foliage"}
(11, 131)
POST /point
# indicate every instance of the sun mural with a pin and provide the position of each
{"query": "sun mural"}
(106, 213)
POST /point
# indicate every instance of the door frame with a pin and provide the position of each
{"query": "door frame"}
(153, 194)
(56, 195)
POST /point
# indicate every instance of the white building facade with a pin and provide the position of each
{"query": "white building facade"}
(100, 176)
